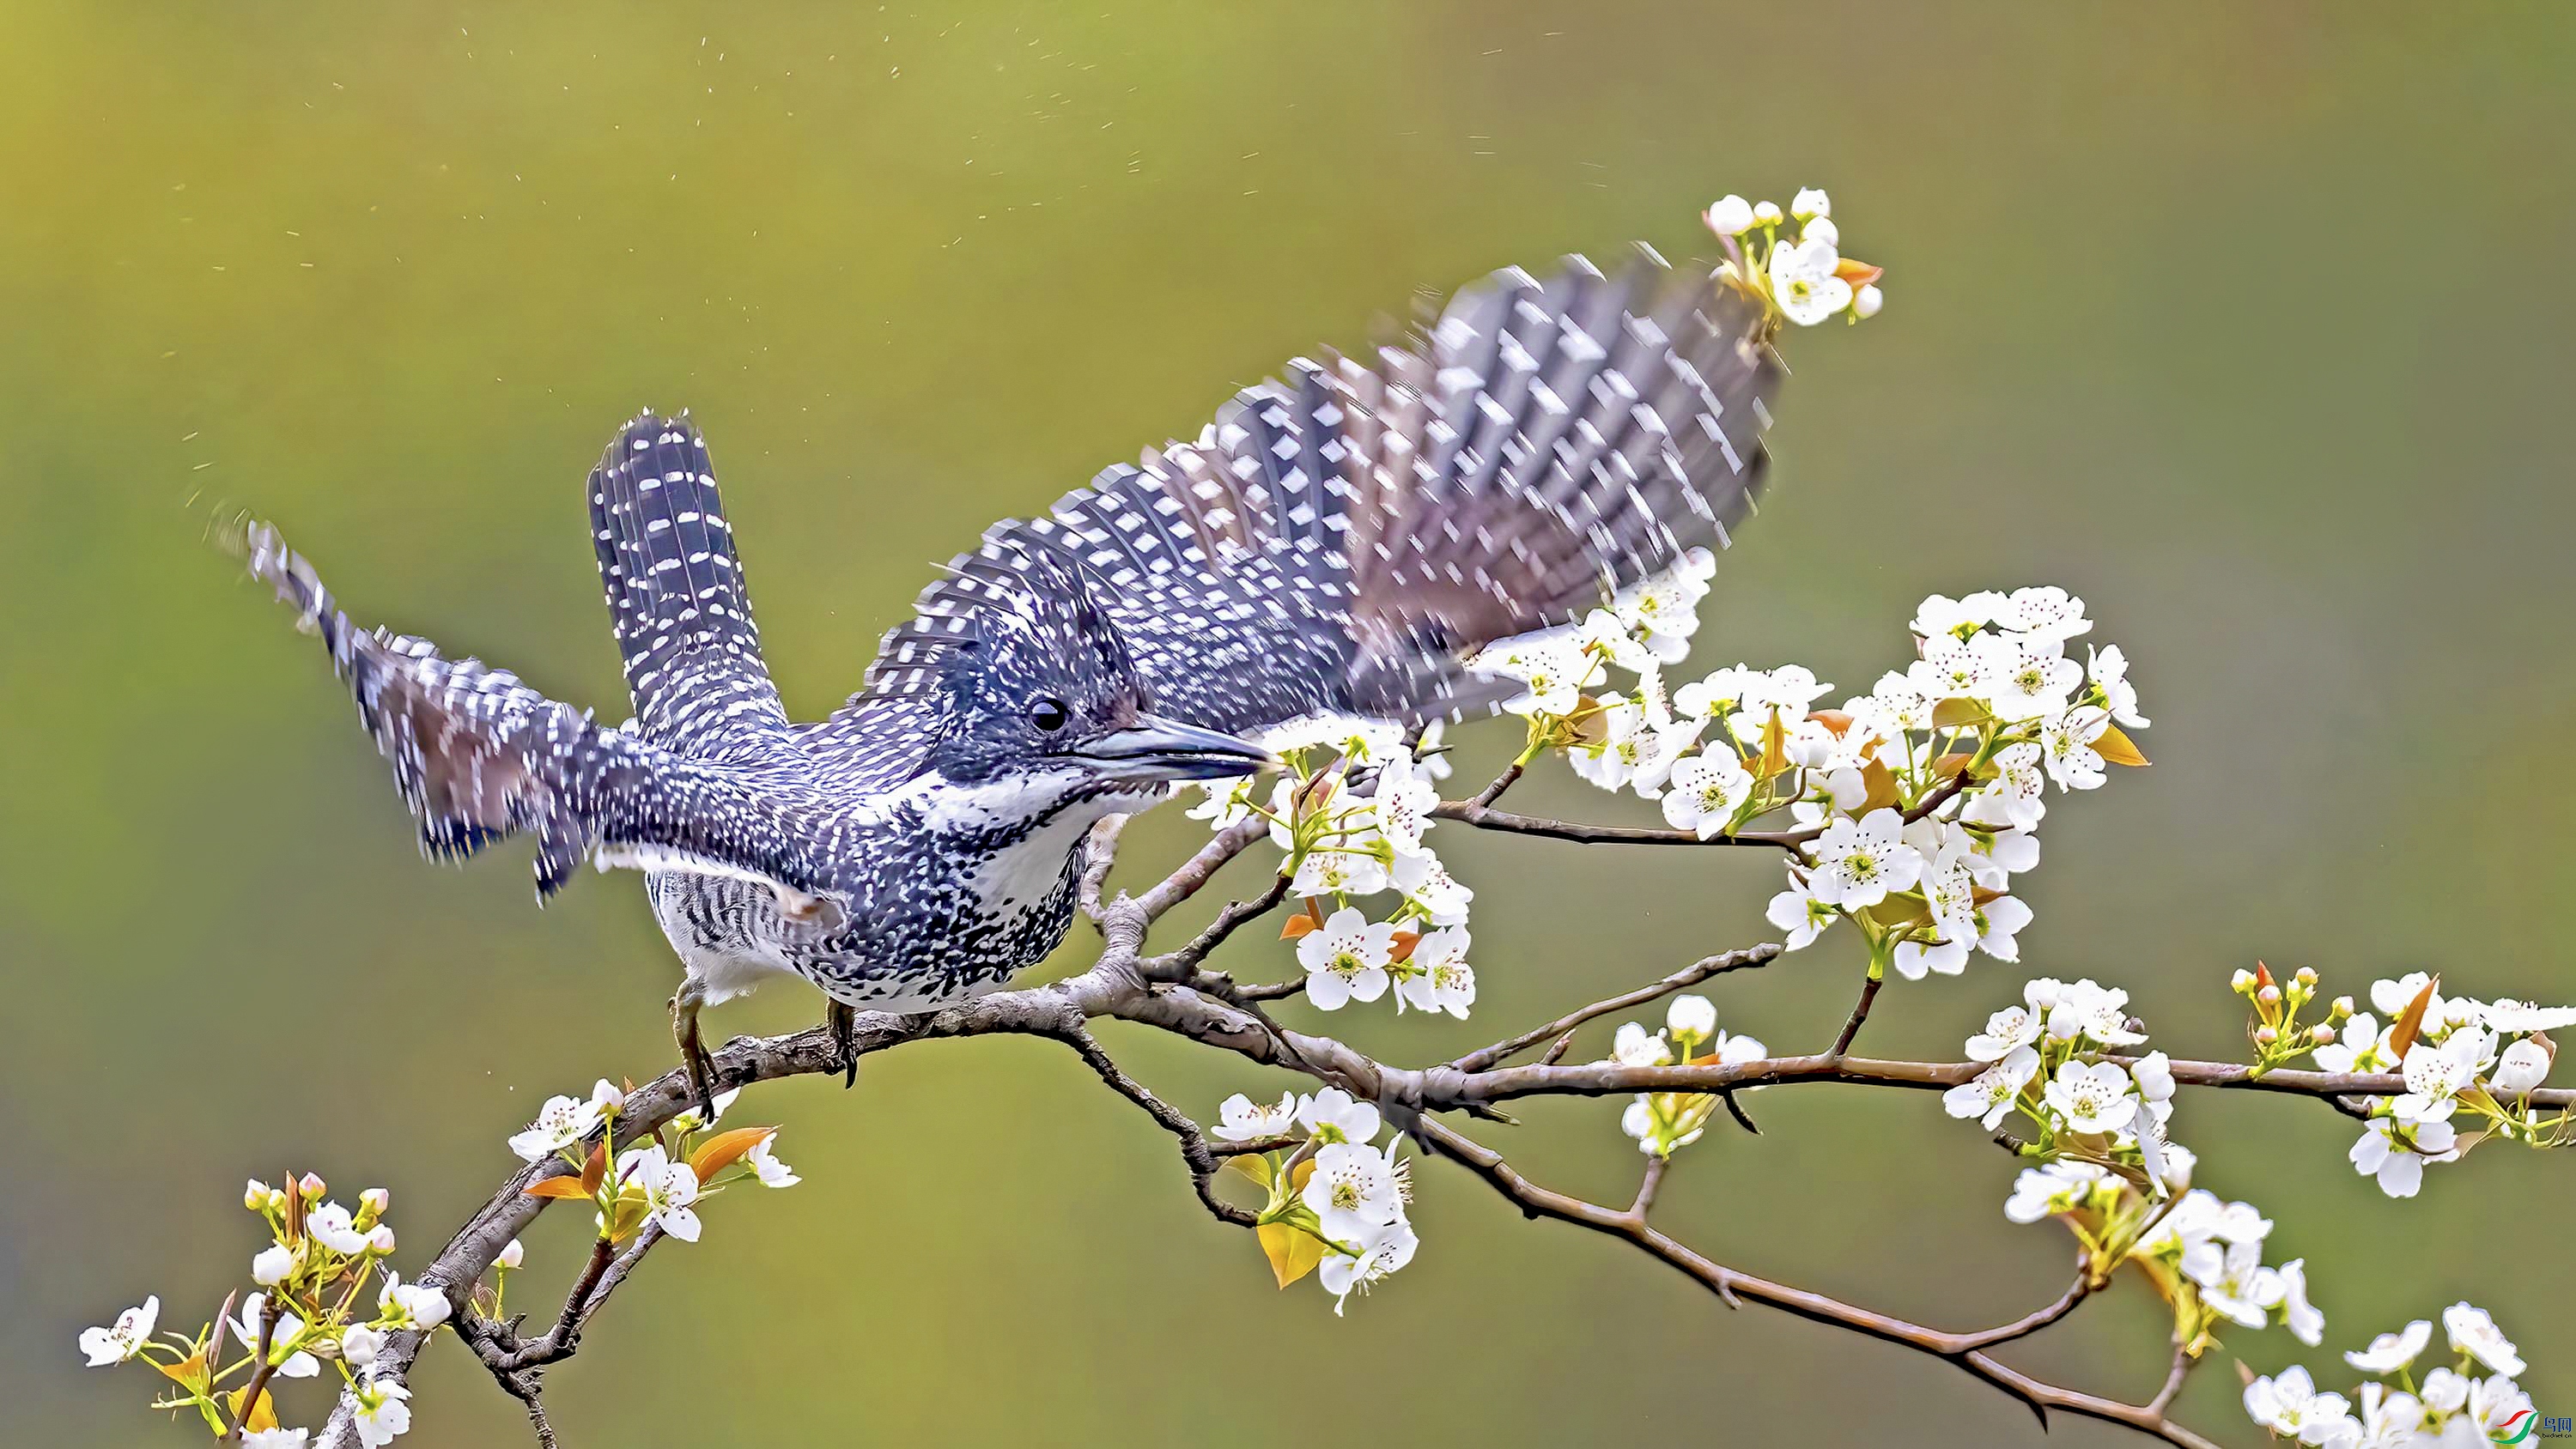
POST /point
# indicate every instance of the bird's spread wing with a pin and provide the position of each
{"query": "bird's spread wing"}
(477, 755)
(677, 598)
(1337, 542)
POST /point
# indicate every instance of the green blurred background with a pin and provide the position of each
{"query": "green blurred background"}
(2243, 322)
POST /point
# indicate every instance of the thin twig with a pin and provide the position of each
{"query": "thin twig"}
(1195, 1151)
(1687, 977)
(1478, 813)
(1859, 1014)
(269, 1308)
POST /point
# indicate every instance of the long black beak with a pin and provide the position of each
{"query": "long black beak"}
(1154, 748)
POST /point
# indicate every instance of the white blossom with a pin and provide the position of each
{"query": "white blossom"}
(763, 1161)
(1803, 281)
(668, 1188)
(1940, 615)
(1340, 868)
(1383, 1251)
(512, 1254)
(2006, 1030)
(1441, 979)
(2515, 1017)
(1704, 792)
(292, 1361)
(275, 1438)
(1634, 1046)
(2045, 613)
(384, 1411)
(2109, 669)
(1729, 215)
(1809, 203)
(2085, 1009)
(1346, 960)
(1859, 862)
(332, 1227)
(1990, 1095)
(1664, 607)
(1801, 915)
(2027, 678)
(2473, 1331)
(1352, 1193)
(1241, 1119)
(2524, 1066)
(1331, 1115)
(2238, 1285)
(2290, 1406)
(2066, 744)
(2435, 1076)
(2306, 1322)
(1692, 1017)
(2014, 797)
(124, 1338)
(1428, 884)
(360, 1345)
(2391, 1352)
(272, 1265)
(562, 1122)
(2092, 1098)
(2358, 1049)
(413, 1305)
(2395, 1153)
(2056, 1187)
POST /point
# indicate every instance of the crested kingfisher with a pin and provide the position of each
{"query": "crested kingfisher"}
(1336, 542)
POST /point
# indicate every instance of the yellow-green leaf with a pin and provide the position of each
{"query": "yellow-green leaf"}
(555, 1187)
(1958, 714)
(1297, 1175)
(2410, 1022)
(1293, 1252)
(1880, 784)
(726, 1148)
(1775, 747)
(1898, 911)
(2116, 748)
(1251, 1165)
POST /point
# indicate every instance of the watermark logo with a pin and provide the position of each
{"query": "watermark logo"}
(2526, 1425)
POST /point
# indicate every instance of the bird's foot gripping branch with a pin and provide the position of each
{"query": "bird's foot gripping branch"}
(1910, 812)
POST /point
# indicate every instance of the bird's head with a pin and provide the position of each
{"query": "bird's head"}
(1046, 688)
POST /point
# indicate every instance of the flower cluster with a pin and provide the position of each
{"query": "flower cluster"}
(1806, 279)
(1663, 1121)
(2455, 1053)
(2471, 1401)
(1350, 811)
(1334, 1204)
(658, 1180)
(307, 1308)
(1914, 804)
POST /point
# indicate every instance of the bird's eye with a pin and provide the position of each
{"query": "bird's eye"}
(1049, 715)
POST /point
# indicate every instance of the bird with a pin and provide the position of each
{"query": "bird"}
(1336, 543)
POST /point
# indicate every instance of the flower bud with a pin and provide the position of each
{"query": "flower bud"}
(1731, 215)
(605, 1093)
(512, 1255)
(271, 1266)
(255, 1195)
(2340, 1007)
(2521, 1068)
(381, 1240)
(374, 1201)
(2307, 976)
(1867, 301)
(1766, 213)
(2322, 1034)
(1822, 230)
(1692, 1016)
(2265, 1036)
(1811, 202)
(312, 1187)
(2242, 982)
(2269, 996)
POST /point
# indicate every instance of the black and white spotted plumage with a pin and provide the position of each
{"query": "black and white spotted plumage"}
(1336, 542)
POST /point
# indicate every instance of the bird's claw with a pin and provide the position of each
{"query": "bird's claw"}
(842, 1020)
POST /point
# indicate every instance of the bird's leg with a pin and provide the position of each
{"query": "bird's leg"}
(693, 1047)
(842, 1020)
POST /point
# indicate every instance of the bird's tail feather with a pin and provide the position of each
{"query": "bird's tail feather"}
(477, 755)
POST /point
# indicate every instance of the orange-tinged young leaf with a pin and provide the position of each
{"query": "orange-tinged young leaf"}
(263, 1415)
(1951, 764)
(725, 1149)
(1880, 784)
(1251, 1165)
(2262, 976)
(1405, 941)
(594, 1171)
(189, 1372)
(2116, 748)
(1859, 274)
(1832, 719)
(1293, 1253)
(294, 1211)
(1297, 926)
(1297, 1175)
(556, 1187)
(2410, 1022)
